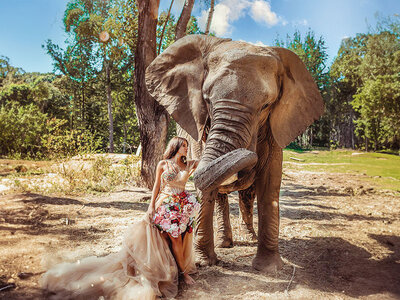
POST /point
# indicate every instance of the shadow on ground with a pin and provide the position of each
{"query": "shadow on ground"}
(332, 264)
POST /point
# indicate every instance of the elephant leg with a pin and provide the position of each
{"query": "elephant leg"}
(204, 242)
(224, 231)
(246, 205)
(267, 188)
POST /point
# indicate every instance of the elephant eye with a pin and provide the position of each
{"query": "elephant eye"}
(265, 106)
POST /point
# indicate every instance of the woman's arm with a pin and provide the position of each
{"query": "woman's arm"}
(192, 164)
(156, 189)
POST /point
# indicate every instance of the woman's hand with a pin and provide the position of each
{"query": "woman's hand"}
(151, 211)
(156, 189)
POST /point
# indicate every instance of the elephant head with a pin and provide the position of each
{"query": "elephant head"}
(224, 91)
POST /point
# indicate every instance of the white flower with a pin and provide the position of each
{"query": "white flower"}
(182, 227)
(174, 227)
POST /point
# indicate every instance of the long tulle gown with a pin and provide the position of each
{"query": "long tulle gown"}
(143, 269)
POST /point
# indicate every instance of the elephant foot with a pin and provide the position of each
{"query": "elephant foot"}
(249, 233)
(224, 242)
(202, 261)
(268, 263)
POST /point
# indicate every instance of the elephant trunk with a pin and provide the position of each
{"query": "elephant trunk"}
(226, 153)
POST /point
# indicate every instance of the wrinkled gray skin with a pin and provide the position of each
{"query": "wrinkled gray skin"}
(252, 101)
(246, 201)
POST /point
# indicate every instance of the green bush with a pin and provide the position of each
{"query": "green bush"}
(25, 132)
(21, 129)
(59, 141)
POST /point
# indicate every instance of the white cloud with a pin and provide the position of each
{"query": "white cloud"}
(228, 11)
(303, 22)
(261, 12)
(220, 21)
(257, 43)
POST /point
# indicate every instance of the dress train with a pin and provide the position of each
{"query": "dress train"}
(143, 269)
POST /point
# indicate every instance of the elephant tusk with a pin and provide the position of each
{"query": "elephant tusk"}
(230, 180)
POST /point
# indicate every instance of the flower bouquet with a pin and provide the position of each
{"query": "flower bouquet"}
(177, 214)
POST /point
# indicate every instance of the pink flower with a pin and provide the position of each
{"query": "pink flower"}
(173, 215)
(165, 224)
(188, 210)
(158, 219)
(161, 210)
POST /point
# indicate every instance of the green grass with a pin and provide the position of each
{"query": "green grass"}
(382, 169)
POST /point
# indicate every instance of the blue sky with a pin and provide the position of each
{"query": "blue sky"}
(26, 24)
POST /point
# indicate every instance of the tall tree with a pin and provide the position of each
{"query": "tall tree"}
(152, 117)
(345, 82)
(96, 53)
(210, 17)
(184, 18)
(165, 26)
(367, 72)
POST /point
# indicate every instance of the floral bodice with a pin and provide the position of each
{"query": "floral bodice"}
(173, 180)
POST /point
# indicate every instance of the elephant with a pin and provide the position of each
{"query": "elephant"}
(245, 103)
(246, 201)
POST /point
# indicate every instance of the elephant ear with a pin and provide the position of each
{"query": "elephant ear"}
(175, 79)
(300, 102)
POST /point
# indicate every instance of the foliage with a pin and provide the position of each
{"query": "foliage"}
(378, 103)
(21, 128)
(29, 133)
(59, 142)
(85, 61)
(366, 75)
(72, 101)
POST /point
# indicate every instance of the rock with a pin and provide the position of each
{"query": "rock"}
(24, 275)
(11, 280)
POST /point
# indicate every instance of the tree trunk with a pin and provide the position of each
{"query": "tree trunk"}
(184, 19)
(124, 144)
(152, 117)
(73, 113)
(109, 105)
(210, 16)
(83, 103)
(165, 26)
(352, 129)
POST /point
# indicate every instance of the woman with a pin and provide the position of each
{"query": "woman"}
(145, 267)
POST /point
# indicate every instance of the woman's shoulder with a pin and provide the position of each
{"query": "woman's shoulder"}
(162, 163)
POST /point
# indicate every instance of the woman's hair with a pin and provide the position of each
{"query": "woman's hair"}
(173, 146)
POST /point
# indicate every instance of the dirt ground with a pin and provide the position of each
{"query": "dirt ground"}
(339, 239)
